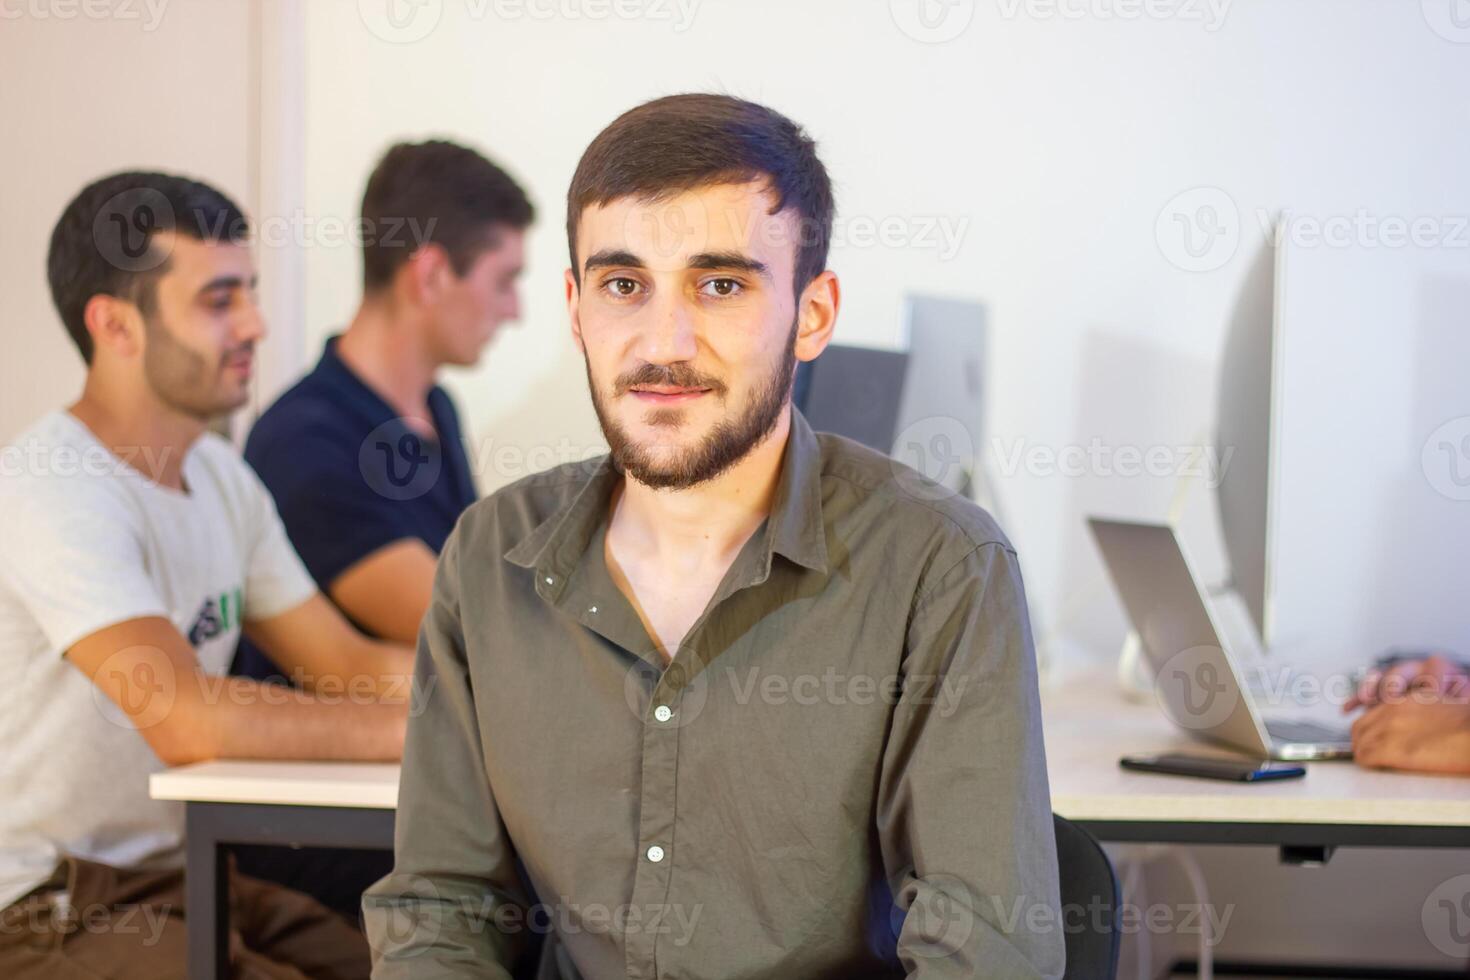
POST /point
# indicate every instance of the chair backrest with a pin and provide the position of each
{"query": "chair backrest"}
(1090, 904)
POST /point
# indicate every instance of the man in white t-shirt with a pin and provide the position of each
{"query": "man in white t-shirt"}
(135, 547)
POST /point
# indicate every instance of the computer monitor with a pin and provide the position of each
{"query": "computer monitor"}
(1246, 411)
(923, 405)
(853, 392)
(1341, 393)
(940, 428)
(1370, 488)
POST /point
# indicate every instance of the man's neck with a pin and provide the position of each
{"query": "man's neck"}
(389, 356)
(139, 429)
(707, 523)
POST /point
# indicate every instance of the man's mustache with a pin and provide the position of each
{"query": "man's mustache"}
(245, 348)
(669, 376)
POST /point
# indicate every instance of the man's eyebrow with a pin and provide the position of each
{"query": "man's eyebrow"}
(729, 260)
(227, 282)
(612, 257)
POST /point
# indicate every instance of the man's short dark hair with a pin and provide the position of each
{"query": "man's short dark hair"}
(103, 241)
(682, 142)
(437, 192)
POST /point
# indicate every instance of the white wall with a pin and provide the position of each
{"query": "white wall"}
(165, 86)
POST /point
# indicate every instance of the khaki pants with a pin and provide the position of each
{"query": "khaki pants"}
(114, 924)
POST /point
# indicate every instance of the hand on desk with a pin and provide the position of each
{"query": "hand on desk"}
(1416, 734)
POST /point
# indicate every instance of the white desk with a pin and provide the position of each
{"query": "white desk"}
(1088, 724)
(331, 784)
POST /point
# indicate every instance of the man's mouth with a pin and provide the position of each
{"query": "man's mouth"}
(240, 362)
(666, 394)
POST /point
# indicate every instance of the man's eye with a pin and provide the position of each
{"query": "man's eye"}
(722, 287)
(622, 286)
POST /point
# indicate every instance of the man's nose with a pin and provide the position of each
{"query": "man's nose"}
(251, 326)
(670, 335)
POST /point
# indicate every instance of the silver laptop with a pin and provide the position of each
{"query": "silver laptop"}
(1197, 681)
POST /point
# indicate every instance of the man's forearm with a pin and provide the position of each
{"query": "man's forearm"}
(381, 670)
(237, 718)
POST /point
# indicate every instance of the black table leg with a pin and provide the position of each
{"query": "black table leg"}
(209, 827)
(206, 898)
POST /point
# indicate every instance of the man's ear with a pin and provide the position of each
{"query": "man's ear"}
(426, 273)
(114, 324)
(574, 313)
(816, 315)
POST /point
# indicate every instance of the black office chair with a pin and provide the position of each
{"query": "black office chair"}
(1090, 904)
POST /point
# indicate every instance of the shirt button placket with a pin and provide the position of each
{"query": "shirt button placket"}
(656, 850)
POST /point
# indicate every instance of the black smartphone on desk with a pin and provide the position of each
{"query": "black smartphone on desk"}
(1210, 767)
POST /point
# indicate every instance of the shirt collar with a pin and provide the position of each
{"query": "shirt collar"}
(351, 391)
(794, 528)
(355, 394)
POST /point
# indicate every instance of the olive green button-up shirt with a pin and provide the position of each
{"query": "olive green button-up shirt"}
(839, 774)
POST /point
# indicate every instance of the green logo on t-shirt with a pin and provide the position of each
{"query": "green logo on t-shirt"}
(216, 616)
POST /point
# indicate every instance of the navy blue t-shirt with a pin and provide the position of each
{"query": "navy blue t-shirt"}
(349, 477)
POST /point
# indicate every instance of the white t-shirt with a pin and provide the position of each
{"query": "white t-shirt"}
(86, 542)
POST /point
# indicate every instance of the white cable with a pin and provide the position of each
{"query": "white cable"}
(1182, 486)
(1131, 681)
(1207, 939)
(1133, 859)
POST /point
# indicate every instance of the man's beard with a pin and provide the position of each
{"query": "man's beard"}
(180, 377)
(731, 440)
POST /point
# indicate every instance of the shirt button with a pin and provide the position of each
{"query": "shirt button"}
(663, 713)
(548, 580)
(655, 854)
(593, 609)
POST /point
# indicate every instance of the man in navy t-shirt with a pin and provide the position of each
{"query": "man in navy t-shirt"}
(357, 485)
(364, 456)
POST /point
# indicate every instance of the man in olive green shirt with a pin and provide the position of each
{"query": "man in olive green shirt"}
(736, 699)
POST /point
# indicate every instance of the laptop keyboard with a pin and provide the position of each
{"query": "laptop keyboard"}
(1305, 731)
